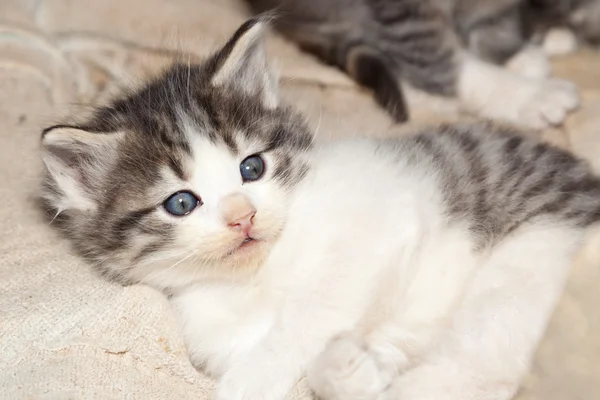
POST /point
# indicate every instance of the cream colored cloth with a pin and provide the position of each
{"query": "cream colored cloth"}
(66, 333)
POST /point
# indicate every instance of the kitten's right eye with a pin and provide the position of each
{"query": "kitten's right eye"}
(181, 203)
(252, 168)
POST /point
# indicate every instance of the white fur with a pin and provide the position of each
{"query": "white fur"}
(381, 265)
(500, 94)
(560, 42)
(530, 62)
(356, 278)
(493, 335)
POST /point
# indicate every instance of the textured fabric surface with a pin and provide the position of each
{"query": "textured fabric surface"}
(66, 333)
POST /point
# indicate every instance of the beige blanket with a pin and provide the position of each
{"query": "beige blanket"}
(67, 334)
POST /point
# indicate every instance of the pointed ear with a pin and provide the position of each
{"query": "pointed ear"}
(242, 64)
(77, 160)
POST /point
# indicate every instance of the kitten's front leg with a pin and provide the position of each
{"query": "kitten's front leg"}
(354, 367)
(442, 272)
(347, 370)
(265, 373)
(271, 369)
(500, 322)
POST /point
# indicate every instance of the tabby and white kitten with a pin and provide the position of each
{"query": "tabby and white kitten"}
(445, 47)
(424, 267)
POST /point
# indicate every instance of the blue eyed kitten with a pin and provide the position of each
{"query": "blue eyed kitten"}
(418, 268)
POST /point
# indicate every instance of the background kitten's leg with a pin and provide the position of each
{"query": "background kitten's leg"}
(499, 324)
(530, 62)
(496, 93)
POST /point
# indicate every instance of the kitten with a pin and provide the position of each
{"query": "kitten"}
(445, 47)
(423, 267)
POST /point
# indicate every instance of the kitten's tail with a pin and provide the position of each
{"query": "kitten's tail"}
(371, 68)
(364, 62)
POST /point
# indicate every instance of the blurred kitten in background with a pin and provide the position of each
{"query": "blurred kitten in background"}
(452, 48)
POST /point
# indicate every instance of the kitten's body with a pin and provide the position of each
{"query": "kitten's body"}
(400, 243)
(431, 44)
(437, 257)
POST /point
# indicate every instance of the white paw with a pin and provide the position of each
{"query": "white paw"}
(250, 384)
(499, 94)
(560, 42)
(548, 104)
(346, 370)
(531, 62)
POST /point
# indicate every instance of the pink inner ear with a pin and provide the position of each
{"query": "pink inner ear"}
(67, 157)
(74, 161)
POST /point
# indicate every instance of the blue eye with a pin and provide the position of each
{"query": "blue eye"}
(181, 203)
(252, 168)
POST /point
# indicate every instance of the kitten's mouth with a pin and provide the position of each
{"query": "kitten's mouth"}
(247, 242)
(245, 247)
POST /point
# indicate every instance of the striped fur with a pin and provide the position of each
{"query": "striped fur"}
(498, 180)
(504, 179)
(154, 119)
(379, 42)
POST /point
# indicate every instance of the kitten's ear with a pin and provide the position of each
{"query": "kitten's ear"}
(242, 64)
(77, 160)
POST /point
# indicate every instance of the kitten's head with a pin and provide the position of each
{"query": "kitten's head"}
(187, 178)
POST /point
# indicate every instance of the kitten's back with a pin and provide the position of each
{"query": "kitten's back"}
(499, 180)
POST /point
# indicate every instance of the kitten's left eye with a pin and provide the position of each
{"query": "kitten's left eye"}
(252, 168)
(181, 203)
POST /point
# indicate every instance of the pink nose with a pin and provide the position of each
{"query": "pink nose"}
(237, 212)
(243, 223)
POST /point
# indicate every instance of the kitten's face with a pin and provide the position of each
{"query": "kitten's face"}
(187, 179)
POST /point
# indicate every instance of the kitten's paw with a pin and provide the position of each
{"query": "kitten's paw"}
(560, 42)
(531, 62)
(231, 390)
(346, 370)
(549, 104)
(250, 384)
(499, 94)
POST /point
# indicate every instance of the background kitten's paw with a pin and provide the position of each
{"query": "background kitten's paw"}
(346, 370)
(560, 42)
(550, 104)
